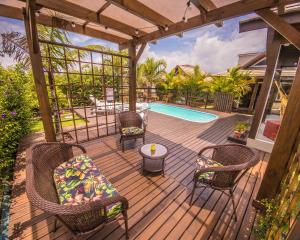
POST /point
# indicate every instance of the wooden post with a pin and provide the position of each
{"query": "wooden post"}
(37, 70)
(272, 95)
(253, 97)
(284, 144)
(273, 50)
(132, 76)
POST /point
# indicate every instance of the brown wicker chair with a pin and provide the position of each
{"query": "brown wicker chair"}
(223, 169)
(129, 119)
(81, 220)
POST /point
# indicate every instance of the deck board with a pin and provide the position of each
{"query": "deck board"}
(159, 206)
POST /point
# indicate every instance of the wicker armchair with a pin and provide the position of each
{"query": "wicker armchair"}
(223, 169)
(81, 220)
(129, 120)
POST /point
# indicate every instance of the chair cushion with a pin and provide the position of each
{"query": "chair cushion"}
(130, 131)
(79, 181)
(203, 162)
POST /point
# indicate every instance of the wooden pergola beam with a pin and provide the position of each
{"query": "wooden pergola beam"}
(258, 23)
(141, 10)
(37, 70)
(204, 7)
(132, 76)
(16, 13)
(226, 12)
(208, 5)
(281, 26)
(77, 11)
(140, 52)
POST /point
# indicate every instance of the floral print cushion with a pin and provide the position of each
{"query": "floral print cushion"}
(79, 180)
(203, 162)
(132, 131)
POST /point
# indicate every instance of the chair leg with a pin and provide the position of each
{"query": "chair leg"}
(193, 192)
(55, 225)
(123, 147)
(144, 140)
(233, 204)
(126, 224)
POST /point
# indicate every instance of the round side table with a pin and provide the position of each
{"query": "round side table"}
(154, 161)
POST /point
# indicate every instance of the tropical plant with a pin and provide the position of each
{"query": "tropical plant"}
(15, 114)
(151, 72)
(235, 81)
(14, 44)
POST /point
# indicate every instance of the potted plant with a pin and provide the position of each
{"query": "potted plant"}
(241, 129)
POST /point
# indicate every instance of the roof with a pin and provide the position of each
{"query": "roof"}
(134, 21)
(187, 69)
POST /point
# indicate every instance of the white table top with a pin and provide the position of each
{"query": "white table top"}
(160, 152)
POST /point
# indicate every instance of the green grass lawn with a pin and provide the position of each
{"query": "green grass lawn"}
(37, 125)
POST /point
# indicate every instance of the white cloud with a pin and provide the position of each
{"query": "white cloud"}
(211, 52)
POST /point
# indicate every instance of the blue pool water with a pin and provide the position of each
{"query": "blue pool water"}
(183, 113)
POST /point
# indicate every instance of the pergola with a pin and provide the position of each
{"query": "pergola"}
(132, 24)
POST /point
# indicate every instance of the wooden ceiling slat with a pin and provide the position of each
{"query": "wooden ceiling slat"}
(228, 11)
(16, 13)
(141, 10)
(83, 13)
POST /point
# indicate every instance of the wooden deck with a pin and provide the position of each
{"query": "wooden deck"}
(159, 206)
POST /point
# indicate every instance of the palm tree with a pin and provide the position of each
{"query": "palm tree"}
(191, 84)
(235, 81)
(151, 72)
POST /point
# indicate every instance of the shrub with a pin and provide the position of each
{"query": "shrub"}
(15, 115)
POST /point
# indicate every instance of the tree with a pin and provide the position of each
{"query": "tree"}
(151, 72)
(192, 83)
(235, 81)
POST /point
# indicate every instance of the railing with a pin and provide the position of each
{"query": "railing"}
(201, 100)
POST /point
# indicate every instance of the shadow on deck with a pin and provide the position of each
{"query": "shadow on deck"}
(159, 206)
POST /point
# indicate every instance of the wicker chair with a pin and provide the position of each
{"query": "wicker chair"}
(223, 169)
(130, 119)
(81, 220)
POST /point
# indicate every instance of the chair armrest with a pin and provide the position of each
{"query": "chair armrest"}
(108, 201)
(79, 146)
(229, 168)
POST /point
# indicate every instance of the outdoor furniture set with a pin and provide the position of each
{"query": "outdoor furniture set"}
(76, 193)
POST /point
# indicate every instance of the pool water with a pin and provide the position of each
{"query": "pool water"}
(183, 113)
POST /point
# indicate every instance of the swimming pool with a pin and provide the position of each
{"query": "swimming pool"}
(183, 113)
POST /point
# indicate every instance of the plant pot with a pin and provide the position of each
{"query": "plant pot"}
(238, 134)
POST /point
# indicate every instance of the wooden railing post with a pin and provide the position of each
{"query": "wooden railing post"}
(37, 70)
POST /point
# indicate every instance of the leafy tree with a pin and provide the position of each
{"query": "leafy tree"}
(151, 72)
(235, 81)
(15, 114)
(191, 84)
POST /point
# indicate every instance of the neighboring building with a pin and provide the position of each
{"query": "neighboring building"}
(185, 69)
(256, 64)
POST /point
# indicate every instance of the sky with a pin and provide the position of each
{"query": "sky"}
(213, 49)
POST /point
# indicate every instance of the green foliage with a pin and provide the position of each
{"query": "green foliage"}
(235, 81)
(15, 114)
(265, 221)
(241, 126)
(192, 83)
(151, 72)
